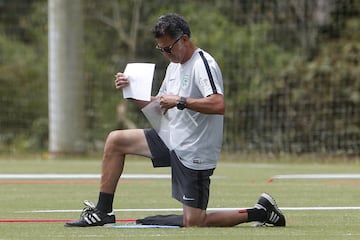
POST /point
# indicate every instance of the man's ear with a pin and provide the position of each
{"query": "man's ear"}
(185, 37)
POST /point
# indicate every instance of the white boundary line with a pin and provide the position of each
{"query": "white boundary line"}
(209, 209)
(166, 176)
(317, 176)
(81, 176)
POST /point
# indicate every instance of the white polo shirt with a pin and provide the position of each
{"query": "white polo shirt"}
(195, 137)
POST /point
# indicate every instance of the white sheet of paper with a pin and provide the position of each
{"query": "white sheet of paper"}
(140, 77)
(160, 123)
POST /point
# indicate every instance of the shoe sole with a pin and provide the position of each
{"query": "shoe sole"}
(271, 200)
(107, 225)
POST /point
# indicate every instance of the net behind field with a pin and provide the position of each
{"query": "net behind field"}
(290, 69)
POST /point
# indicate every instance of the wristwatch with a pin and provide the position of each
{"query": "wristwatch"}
(181, 104)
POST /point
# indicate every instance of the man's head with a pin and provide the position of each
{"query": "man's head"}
(172, 25)
(172, 34)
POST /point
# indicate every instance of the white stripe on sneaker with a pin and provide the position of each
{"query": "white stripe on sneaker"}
(87, 220)
(274, 217)
(96, 217)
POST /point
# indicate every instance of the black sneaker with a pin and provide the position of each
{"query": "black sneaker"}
(91, 217)
(273, 214)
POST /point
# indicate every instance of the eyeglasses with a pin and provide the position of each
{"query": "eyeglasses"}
(168, 48)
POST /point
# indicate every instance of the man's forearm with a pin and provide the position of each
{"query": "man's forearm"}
(141, 103)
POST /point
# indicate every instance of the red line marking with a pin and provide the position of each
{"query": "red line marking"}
(344, 182)
(27, 182)
(52, 220)
(270, 180)
(65, 182)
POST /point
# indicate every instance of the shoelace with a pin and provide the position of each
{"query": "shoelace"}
(89, 209)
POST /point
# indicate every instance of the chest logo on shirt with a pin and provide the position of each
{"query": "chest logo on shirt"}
(185, 82)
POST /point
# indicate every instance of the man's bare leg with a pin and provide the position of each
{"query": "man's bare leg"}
(199, 217)
(118, 145)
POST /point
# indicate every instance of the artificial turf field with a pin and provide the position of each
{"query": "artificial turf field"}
(235, 184)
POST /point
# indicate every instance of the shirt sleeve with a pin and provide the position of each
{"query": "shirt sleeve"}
(206, 85)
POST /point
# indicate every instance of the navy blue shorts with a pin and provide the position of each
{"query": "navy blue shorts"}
(190, 187)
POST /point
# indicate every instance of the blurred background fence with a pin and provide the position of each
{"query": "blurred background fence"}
(291, 70)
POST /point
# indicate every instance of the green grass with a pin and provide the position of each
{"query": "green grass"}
(236, 185)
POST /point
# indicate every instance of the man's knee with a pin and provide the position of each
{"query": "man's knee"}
(194, 221)
(118, 137)
(113, 135)
(129, 141)
(113, 140)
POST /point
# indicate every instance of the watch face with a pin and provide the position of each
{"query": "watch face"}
(181, 104)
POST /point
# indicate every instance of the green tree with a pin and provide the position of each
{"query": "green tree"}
(23, 78)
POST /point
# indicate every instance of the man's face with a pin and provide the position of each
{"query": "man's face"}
(171, 48)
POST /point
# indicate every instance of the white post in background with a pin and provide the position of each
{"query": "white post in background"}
(66, 83)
